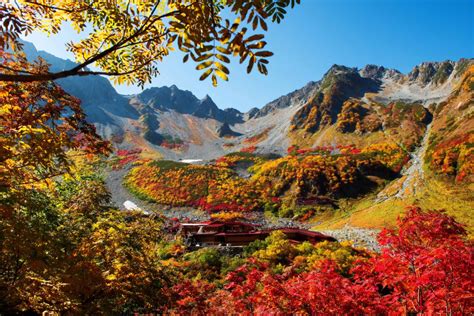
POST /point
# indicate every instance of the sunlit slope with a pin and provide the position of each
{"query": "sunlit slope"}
(439, 175)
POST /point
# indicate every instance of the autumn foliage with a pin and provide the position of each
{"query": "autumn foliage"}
(424, 268)
(425, 264)
(355, 117)
(39, 123)
(211, 188)
(208, 33)
(65, 250)
(78, 256)
(454, 157)
(306, 177)
(124, 157)
(258, 137)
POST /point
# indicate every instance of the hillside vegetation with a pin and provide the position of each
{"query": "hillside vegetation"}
(358, 156)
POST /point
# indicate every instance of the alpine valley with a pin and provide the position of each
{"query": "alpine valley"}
(352, 149)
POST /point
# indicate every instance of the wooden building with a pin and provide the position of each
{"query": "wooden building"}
(238, 234)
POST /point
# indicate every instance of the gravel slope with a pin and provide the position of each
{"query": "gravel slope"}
(360, 237)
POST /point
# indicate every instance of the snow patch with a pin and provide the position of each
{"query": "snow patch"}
(191, 161)
(130, 206)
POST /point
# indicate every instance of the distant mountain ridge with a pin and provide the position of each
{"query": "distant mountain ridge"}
(297, 96)
(185, 102)
(97, 91)
(306, 115)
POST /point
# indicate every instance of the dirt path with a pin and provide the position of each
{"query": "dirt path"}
(120, 194)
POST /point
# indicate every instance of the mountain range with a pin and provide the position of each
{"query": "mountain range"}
(305, 116)
(424, 117)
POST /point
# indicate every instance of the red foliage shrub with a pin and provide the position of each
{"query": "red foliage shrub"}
(192, 296)
(425, 268)
(250, 149)
(426, 265)
(454, 157)
(128, 152)
(125, 156)
(224, 161)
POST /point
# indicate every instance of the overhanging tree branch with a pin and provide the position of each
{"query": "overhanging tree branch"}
(126, 33)
(78, 70)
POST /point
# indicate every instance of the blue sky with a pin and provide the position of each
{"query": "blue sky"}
(319, 33)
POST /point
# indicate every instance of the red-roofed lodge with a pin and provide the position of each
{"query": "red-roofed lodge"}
(238, 234)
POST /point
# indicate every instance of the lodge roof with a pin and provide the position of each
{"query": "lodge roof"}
(223, 229)
(218, 224)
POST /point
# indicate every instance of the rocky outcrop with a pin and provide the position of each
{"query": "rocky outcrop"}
(357, 117)
(380, 73)
(437, 73)
(225, 131)
(424, 73)
(99, 99)
(208, 109)
(169, 98)
(338, 85)
(296, 97)
(395, 100)
(233, 116)
(253, 112)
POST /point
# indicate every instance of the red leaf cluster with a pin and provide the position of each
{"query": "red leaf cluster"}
(424, 268)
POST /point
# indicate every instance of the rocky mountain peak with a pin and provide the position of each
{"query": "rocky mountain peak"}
(431, 72)
(338, 85)
(185, 102)
(373, 71)
(207, 98)
(169, 98)
(252, 113)
(232, 111)
(335, 69)
(338, 74)
(380, 72)
(206, 108)
(296, 97)
(101, 102)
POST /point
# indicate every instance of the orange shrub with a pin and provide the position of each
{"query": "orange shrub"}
(454, 157)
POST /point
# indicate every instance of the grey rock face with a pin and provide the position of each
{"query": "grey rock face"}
(169, 98)
(99, 99)
(115, 114)
(338, 85)
(431, 72)
(380, 73)
(252, 113)
(373, 71)
(225, 131)
(185, 102)
(296, 97)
